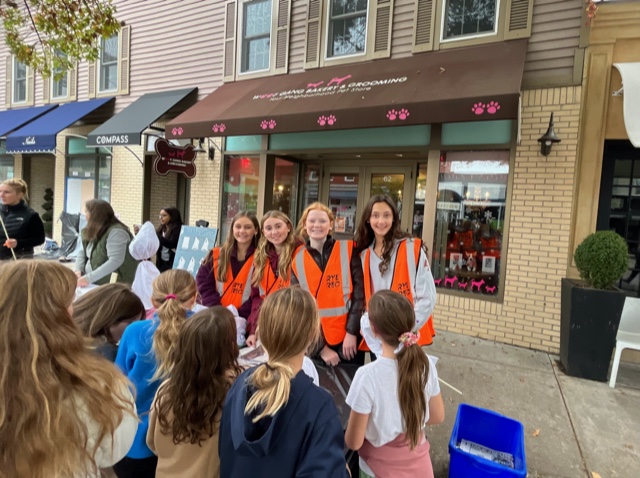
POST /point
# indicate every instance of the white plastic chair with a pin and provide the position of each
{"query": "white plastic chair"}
(628, 336)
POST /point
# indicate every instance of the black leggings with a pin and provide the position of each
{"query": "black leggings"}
(136, 467)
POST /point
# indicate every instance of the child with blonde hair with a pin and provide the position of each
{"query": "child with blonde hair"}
(274, 418)
(144, 353)
(393, 398)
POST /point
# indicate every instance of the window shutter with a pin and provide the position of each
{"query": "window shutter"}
(72, 84)
(229, 65)
(46, 88)
(91, 87)
(314, 21)
(383, 15)
(282, 37)
(518, 19)
(424, 25)
(124, 60)
(31, 87)
(8, 90)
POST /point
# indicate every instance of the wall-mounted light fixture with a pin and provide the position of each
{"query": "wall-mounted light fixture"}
(548, 139)
(200, 148)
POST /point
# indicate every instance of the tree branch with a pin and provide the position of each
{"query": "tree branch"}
(33, 23)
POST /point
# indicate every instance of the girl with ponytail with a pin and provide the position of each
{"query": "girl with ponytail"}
(393, 398)
(144, 356)
(274, 417)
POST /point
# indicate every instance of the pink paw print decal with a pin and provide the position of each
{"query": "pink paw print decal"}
(322, 120)
(268, 124)
(219, 128)
(478, 108)
(177, 131)
(493, 107)
(403, 114)
(331, 120)
(392, 115)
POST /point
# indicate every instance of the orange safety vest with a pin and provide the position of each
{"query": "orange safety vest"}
(332, 287)
(234, 290)
(270, 283)
(403, 281)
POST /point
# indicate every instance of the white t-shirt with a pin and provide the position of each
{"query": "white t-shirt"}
(374, 392)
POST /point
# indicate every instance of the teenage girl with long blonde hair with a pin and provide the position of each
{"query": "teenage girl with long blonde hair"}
(144, 353)
(64, 411)
(272, 263)
(274, 417)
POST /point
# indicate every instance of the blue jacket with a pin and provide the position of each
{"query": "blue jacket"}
(138, 362)
(304, 439)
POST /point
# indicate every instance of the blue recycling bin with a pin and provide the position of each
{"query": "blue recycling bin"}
(492, 430)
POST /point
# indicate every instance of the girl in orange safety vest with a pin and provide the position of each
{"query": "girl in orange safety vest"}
(394, 260)
(332, 272)
(272, 263)
(224, 278)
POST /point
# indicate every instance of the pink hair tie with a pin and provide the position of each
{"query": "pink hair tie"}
(409, 338)
(170, 296)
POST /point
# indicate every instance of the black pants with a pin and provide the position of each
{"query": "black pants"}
(136, 467)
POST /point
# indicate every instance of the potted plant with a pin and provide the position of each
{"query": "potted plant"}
(591, 308)
(47, 216)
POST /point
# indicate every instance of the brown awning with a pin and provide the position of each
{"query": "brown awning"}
(465, 84)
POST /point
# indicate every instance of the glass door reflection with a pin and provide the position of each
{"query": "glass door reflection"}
(343, 201)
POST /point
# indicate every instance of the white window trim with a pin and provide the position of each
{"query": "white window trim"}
(325, 46)
(13, 84)
(240, 38)
(496, 27)
(99, 89)
(53, 89)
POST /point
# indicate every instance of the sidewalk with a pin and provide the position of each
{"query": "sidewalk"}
(573, 427)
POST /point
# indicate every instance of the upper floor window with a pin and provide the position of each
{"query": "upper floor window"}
(256, 36)
(469, 18)
(347, 27)
(59, 87)
(19, 81)
(108, 64)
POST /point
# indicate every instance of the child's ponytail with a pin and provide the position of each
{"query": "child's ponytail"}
(173, 291)
(393, 318)
(289, 323)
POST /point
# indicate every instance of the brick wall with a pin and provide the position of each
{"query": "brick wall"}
(164, 190)
(42, 177)
(127, 189)
(539, 230)
(205, 189)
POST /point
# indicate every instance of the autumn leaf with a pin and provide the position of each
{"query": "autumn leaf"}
(536, 432)
(595, 475)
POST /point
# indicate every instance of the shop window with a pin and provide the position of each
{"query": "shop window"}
(470, 215)
(256, 36)
(239, 190)
(19, 82)
(6, 163)
(311, 185)
(418, 202)
(285, 190)
(59, 81)
(467, 18)
(88, 174)
(347, 27)
(108, 71)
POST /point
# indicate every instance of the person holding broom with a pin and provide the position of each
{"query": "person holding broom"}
(22, 228)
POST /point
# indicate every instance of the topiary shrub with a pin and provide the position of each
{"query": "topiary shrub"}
(602, 259)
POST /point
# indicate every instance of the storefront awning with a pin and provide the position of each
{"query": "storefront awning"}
(39, 136)
(14, 119)
(465, 84)
(127, 126)
(630, 73)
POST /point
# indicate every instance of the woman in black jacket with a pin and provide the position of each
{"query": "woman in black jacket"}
(168, 235)
(24, 226)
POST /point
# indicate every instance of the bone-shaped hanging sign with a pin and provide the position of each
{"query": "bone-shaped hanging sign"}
(174, 159)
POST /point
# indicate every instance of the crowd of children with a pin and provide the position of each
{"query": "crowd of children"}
(176, 402)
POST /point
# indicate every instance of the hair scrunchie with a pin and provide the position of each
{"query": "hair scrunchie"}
(170, 296)
(409, 338)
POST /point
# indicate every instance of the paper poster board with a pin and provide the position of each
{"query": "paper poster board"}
(193, 246)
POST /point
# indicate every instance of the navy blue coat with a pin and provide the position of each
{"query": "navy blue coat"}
(304, 439)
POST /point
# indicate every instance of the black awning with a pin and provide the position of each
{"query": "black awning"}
(126, 127)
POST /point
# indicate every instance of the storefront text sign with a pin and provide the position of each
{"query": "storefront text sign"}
(174, 159)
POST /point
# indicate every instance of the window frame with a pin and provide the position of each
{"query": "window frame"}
(54, 81)
(240, 54)
(328, 30)
(495, 32)
(99, 75)
(14, 64)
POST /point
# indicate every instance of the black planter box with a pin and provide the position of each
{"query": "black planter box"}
(588, 328)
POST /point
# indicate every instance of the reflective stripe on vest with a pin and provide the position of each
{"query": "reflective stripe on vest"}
(234, 290)
(333, 307)
(270, 283)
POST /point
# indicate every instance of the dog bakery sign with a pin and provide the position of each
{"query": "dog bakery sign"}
(174, 159)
